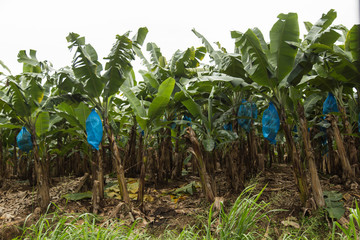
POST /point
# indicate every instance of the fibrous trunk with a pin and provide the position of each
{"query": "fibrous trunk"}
(118, 165)
(349, 140)
(130, 159)
(42, 180)
(348, 173)
(315, 182)
(206, 182)
(299, 174)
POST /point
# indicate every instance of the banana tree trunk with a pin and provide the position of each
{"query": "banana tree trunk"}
(168, 153)
(145, 156)
(98, 179)
(348, 173)
(42, 180)
(130, 160)
(332, 161)
(118, 165)
(15, 159)
(206, 183)
(100, 173)
(161, 172)
(141, 190)
(299, 174)
(349, 140)
(253, 151)
(315, 182)
(178, 161)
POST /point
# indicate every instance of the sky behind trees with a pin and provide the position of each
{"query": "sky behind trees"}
(43, 25)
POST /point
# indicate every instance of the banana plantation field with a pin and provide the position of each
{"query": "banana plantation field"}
(259, 142)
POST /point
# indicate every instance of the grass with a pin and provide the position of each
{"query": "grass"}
(241, 221)
(245, 219)
(84, 226)
(352, 230)
(313, 227)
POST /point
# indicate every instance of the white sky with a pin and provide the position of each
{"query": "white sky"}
(44, 24)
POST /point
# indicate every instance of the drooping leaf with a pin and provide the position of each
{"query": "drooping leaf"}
(285, 30)
(85, 65)
(310, 103)
(155, 53)
(140, 36)
(215, 55)
(138, 40)
(30, 64)
(67, 82)
(10, 126)
(308, 26)
(255, 61)
(36, 91)
(4, 66)
(18, 101)
(323, 23)
(135, 104)
(158, 105)
(328, 37)
(67, 112)
(352, 42)
(190, 104)
(180, 61)
(232, 66)
(119, 64)
(149, 78)
(82, 112)
(261, 38)
(42, 123)
(303, 65)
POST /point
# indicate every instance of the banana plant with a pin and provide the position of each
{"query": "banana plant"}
(268, 65)
(28, 101)
(181, 66)
(100, 88)
(149, 119)
(306, 58)
(75, 114)
(340, 74)
(336, 71)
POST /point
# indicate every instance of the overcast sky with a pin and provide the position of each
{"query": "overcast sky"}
(44, 24)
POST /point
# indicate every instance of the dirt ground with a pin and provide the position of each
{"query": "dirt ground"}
(174, 206)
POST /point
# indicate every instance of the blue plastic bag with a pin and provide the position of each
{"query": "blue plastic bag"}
(94, 129)
(330, 104)
(295, 130)
(186, 118)
(228, 127)
(245, 110)
(23, 140)
(270, 123)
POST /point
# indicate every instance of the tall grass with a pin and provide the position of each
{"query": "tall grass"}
(245, 214)
(84, 226)
(238, 223)
(352, 230)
